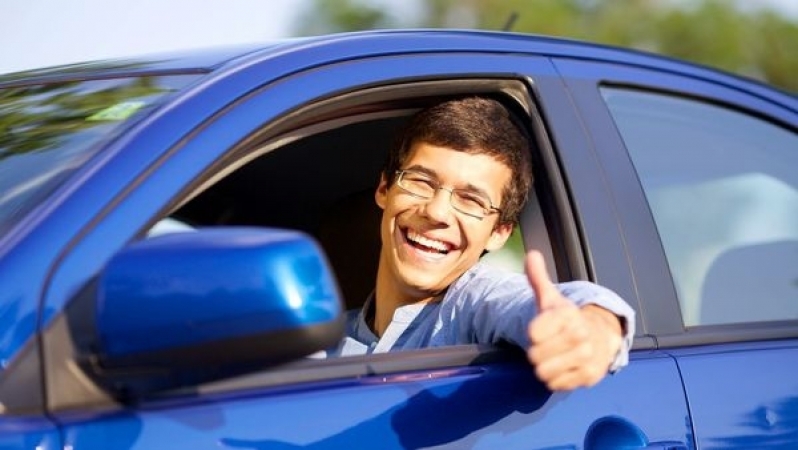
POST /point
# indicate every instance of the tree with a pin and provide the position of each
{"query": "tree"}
(758, 44)
(332, 16)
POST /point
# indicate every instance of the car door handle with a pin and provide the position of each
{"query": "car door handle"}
(616, 432)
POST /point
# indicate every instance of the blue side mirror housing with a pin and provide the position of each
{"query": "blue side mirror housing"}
(220, 300)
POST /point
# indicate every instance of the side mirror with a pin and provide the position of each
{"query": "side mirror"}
(213, 302)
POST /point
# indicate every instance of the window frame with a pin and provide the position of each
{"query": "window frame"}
(363, 104)
(316, 116)
(569, 258)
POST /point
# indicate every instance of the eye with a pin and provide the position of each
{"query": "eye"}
(472, 200)
(420, 181)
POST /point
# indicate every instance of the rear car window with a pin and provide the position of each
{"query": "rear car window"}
(722, 186)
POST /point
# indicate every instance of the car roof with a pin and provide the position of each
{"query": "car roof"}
(343, 46)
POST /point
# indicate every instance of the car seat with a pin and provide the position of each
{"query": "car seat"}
(349, 232)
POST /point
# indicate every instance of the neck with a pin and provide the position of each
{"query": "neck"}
(388, 296)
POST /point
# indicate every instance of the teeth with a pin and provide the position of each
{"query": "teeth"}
(427, 242)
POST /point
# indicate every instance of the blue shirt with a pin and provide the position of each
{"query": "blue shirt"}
(485, 305)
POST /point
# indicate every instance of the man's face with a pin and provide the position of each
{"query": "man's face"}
(427, 244)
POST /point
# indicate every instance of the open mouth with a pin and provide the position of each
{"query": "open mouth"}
(426, 244)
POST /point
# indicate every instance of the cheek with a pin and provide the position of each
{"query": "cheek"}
(392, 216)
(477, 237)
(399, 205)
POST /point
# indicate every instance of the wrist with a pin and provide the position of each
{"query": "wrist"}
(611, 330)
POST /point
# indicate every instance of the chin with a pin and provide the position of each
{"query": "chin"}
(426, 283)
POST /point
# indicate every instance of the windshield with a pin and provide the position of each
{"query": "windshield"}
(47, 131)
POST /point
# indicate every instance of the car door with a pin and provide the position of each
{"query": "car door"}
(712, 225)
(465, 396)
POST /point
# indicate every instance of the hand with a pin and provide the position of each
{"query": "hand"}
(571, 346)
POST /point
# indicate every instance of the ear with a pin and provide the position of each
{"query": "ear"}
(381, 194)
(499, 236)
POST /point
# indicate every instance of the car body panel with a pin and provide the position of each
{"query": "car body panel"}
(757, 386)
(405, 410)
(29, 433)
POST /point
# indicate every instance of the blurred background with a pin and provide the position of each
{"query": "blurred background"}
(754, 38)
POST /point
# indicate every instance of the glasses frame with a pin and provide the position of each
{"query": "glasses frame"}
(437, 186)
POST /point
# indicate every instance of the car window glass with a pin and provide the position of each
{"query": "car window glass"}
(723, 190)
(50, 130)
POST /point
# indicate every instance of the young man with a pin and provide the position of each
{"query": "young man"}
(452, 190)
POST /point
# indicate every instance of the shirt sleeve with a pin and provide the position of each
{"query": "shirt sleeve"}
(497, 306)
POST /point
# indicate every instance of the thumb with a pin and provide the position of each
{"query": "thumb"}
(547, 295)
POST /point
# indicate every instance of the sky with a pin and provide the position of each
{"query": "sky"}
(40, 33)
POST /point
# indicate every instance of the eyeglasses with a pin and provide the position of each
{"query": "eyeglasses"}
(466, 201)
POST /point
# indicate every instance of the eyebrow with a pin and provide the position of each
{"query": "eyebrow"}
(468, 187)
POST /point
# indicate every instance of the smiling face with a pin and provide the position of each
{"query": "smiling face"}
(427, 244)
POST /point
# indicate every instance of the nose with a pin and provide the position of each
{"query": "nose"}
(439, 207)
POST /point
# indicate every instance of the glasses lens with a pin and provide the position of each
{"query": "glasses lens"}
(470, 203)
(417, 184)
(423, 186)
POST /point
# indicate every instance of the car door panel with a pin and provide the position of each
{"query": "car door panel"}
(743, 395)
(482, 406)
(29, 434)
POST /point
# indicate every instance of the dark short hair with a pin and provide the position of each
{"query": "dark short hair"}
(476, 125)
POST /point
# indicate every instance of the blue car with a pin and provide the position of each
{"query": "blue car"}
(180, 236)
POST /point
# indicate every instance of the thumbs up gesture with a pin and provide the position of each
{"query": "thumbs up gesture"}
(571, 346)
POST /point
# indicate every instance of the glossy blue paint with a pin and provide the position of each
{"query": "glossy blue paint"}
(743, 396)
(778, 106)
(201, 286)
(22, 268)
(487, 407)
(29, 434)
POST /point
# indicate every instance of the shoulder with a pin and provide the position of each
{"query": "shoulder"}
(484, 272)
(488, 281)
(584, 290)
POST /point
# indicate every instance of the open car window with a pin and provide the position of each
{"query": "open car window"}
(320, 179)
(322, 185)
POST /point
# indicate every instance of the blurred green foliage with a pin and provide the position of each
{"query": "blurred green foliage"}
(47, 117)
(758, 43)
